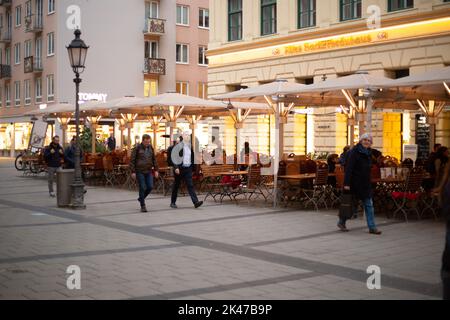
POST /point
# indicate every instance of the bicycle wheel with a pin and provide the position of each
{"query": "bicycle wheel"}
(19, 163)
(34, 167)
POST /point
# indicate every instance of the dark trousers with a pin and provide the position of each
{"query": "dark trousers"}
(186, 175)
(145, 182)
(445, 271)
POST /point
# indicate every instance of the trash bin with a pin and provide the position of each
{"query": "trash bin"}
(64, 179)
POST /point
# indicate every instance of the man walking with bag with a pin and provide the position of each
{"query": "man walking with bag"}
(182, 157)
(358, 182)
(142, 163)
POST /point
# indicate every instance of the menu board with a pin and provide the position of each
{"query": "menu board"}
(38, 134)
(422, 137)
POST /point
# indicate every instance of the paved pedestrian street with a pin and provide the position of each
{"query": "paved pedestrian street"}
(219, 251)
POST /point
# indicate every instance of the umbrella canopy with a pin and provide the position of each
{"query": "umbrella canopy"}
(360, 80)
(427, 78)
(57, 108)
(160, 104)
(123, 102)
(276, 88)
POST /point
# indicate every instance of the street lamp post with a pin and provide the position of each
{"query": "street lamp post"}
(77, 51)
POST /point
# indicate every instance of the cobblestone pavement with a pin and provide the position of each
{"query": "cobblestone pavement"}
(218, 251)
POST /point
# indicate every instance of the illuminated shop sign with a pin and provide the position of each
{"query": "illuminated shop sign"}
(355, 39)
(84, 97)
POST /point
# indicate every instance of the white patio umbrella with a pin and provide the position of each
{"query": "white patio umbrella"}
(62, 111)
(359, 90)
(431, 92)
(278, 96)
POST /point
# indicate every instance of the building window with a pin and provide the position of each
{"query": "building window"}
(203, 18)
(17, 93)
(28, 48)
(306, 13)
(202, 59)
(38, 90)
(268, 17)
(8, 56)
(182, 87)
(182, 55)
(151, 49)
(28, 10)
(152, 9)
(8, 94)
(50, 88)
(150, 88)
(202, 90)
(18, 16)
(17, 53)
(50, 44)
(27, 92)
(234, 20)
(38, 53)
(183, 15)
(394, 5)
(51, 6)
(350, 9)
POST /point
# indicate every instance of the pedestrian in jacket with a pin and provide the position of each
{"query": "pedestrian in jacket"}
(142, 165)
(183, 157)
(444, 197)
(358, 181)
(54, 158)
(440, 162)
(69, 154)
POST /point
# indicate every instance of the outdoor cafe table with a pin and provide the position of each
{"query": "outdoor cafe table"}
(86, 168)
(227, 190)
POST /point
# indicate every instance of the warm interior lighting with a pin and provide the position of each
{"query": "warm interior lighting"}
(446, 87)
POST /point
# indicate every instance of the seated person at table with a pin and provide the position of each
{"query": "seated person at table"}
(343, 156)
(247, 156)
(332, 160)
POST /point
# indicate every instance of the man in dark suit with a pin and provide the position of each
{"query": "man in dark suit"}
(111, 142)
(182, 157)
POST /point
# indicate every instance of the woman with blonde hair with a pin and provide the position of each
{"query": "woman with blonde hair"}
(444, 200)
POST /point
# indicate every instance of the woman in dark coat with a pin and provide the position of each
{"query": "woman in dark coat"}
(444, 196)
(358, 181)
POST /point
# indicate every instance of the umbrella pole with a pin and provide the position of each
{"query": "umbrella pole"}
(432, 136)
(278, 126)
(93, 136)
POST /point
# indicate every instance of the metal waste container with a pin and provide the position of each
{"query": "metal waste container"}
(64, 179)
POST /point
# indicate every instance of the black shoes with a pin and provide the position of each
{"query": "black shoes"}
(144, 209)
(342, 227)
(375, 231)
(173, 206)
(198, 204)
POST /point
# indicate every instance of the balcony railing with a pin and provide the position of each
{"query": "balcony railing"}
(154, 26)
(5, 71)
(155, 66)
(5, 35)
(34, 23)
(32, 64)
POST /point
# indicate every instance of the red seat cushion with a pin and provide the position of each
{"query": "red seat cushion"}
(407, 195)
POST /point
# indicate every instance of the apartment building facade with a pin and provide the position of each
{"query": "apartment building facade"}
(257, 41)
(139, 49)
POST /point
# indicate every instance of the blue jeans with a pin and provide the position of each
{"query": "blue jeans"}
(370, 214)
(145, 182)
